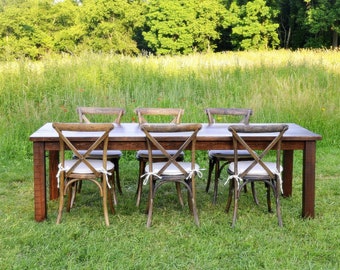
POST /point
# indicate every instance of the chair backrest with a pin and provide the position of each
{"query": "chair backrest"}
(153, 113)
(240, 113)
(98, 131)
(156, 139)
(240, 133)
(85, 112)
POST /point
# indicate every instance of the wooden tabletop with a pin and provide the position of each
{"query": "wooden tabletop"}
(132, 132)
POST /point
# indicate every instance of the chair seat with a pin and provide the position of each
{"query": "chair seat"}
(99, 153)
(172, 169)
(258, 170)
(83, 169)
(228, 154)
(155, 153)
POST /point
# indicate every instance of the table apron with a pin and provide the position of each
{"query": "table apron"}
(200, 145)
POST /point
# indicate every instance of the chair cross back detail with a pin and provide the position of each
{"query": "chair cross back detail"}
(174, 112)
(82, 158)
(275, 143)
(84, 113)
(152, 142)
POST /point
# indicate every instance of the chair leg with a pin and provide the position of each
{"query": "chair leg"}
(268, 198)
(194, 210)
(142, 165)
(116, 163)
(61, 203)
(110, 199)
(179, 193)
(217, 175)
(236, 197)
(230, 196)
(72, 195)
(192, 203)
(60, 211)
(149, 221)
(112, 191)
(253, 190)
(106, 215)
(211, 168)
(150, 204)
(277, 193)
(79, 184)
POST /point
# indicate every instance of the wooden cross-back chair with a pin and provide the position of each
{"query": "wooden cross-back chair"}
(258, 169)
(71, 171)
(86, 115)
(163, 115)
(171, 170)
(216, 157)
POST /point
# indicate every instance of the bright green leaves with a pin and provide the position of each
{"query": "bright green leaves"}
(255, 27)
(182, 27)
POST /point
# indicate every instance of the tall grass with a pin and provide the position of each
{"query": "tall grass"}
(299, 87)
(280, 86)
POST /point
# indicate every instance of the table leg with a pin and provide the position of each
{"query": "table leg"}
(308, 179)
(39, 168)
(287, 175)
(53, 169)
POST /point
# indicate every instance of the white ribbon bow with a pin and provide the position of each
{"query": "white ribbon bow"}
(279, 180)
(239, 180)
(147, 177)
(192, 172)
(106, 173)
(60, 169)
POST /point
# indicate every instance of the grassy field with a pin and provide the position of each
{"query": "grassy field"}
(280, 86)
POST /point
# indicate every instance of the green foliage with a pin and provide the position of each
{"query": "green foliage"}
(110, 24)
(182, 27)
(255, 28)
(322, 19)
(35, 29)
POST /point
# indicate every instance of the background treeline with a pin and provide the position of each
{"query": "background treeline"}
(36, 28)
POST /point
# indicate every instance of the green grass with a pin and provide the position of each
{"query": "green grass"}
(300, 87)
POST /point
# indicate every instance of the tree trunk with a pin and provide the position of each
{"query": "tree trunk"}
(335, 41)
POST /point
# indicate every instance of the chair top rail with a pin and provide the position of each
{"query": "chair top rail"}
(258, 128)
(83, 111)
(246, 113)
(176, 112)
(85, 127)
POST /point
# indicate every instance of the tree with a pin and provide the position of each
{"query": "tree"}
(35, 28)
(323, 19)
(293, 31)
(182, 26)
(24, 34)
(110, 25)
(254, 28)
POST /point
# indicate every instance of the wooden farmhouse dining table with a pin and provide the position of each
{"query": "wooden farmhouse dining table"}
(129, 136)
